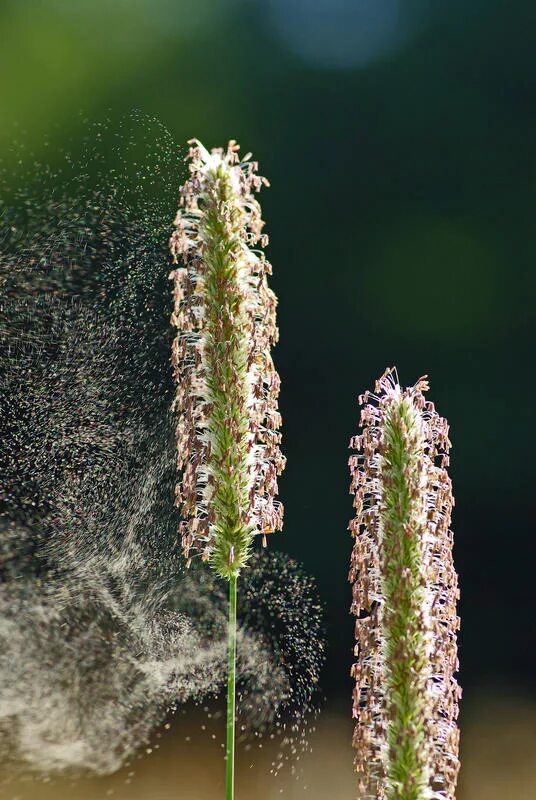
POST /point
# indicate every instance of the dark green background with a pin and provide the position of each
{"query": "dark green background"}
(401, 217)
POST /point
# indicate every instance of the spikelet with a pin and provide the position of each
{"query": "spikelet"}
(404, 590)
(228, 440)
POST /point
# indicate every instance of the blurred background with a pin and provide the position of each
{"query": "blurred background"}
(398, 137)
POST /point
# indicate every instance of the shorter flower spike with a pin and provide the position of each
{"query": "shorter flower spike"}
(227, 388)
(404, 590)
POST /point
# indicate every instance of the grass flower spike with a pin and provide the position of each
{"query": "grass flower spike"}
(404, 597)
(227, 388)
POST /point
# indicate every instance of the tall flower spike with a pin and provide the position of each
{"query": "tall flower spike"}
(227, 388)
(404, 597)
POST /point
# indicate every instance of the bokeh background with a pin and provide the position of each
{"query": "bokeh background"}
(398, 137)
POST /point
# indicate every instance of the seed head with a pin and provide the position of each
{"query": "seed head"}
(404, 597)
(227, 432)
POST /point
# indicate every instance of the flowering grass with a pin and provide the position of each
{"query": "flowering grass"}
(404, 597)
(227, 432)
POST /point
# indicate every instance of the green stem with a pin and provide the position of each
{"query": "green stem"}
(231, 691)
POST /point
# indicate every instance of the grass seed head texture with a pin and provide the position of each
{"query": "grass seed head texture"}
(405, 591)
(228, 439)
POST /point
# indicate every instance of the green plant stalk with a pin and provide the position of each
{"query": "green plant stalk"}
(226, 379)
(231, 693)
(403, 521)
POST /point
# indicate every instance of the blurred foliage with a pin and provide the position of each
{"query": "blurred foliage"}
(401, 215)
(498, 752)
